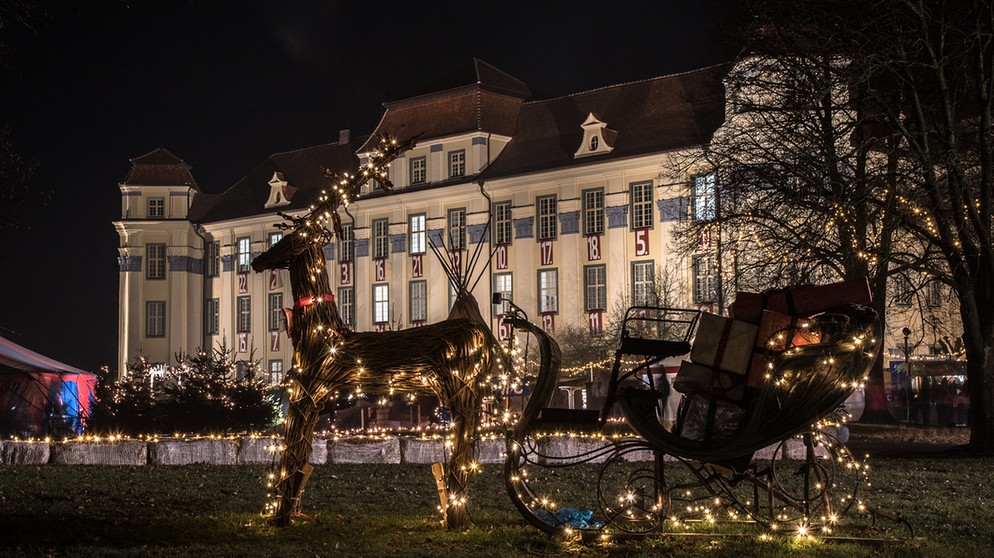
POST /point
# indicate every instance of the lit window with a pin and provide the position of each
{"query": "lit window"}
(418, 170)
(547, 217)
(381, 303)
(595, 287)
(274, 237)
(641, 204)
(346, 245)
(417, 231)
(243, 250)
(503, 284)
(276, 371)
(156, 255)
(643, 283)
(704, 197)
(548, 291)
(457, 229)
(381, 238)
(346, 305)
(155, 318)
(418, 301)
(705, 278)
(593, 211)
(244, 314)
(457, 163)
(502, 223)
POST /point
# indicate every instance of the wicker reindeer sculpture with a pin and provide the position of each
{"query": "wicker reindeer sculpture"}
(448, 359)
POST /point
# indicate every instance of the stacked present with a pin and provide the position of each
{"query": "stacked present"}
(714, 379)
(732, 357)
(784, 318)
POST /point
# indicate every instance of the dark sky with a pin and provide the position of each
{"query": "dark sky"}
(225, 84)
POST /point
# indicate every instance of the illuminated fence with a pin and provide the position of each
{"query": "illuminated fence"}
(261, 450)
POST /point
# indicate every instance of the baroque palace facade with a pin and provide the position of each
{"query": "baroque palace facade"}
(577, 198)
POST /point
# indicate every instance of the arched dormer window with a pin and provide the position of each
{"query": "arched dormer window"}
(280, 191)
(597, 138)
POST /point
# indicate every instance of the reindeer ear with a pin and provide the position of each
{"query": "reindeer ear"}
(288, 314)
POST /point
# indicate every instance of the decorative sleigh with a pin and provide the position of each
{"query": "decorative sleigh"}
(747, 448)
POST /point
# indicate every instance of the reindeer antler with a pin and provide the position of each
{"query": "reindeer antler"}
(345, 188)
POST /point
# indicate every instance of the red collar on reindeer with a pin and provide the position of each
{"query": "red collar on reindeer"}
(309, 300)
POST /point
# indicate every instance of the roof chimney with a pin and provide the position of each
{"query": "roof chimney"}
(344, 136)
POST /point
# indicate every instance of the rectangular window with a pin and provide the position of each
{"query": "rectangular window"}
(244, 314)
(274, 238)
(155, 318)
(934, 299)
(346, 244)
(640, 195)
(453, 294)
(705, 278)
(502, 223)
(547, 217)
(243, 251)
(214, 258)
(457, 229)
(417, 231)
(381, 303)
(212, 316)
(904, 291)
(156, 256)
(346, 305)
(156, 207)
(593, 211)
(643, 283)
(418, 291)
(503, 284)
(275, 311)
(381, 238)
(276, 372)
(548, 290)
(704, 207)
(457, 163)
(419, 168)
(595, 287)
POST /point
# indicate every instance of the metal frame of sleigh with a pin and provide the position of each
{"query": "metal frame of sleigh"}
(747, 444)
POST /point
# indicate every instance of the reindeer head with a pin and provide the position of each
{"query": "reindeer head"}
(282, 254)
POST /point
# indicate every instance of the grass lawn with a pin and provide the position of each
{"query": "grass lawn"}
(391, 510)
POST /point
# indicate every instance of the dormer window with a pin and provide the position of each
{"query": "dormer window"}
(597, 138)
(280, 191)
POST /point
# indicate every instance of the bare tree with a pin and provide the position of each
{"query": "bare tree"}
(859, 142)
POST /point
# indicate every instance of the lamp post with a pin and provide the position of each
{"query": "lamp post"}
(907, 374)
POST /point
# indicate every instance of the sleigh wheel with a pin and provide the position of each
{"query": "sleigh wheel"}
(813, 479)
(633, 494)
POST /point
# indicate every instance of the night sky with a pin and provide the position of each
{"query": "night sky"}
(223, 85)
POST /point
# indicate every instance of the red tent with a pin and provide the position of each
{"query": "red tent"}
(40, 396)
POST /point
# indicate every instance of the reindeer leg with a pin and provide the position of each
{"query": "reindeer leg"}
(466, 419)
(301, 419)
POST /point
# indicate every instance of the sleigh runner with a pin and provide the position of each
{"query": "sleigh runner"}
(746, 442)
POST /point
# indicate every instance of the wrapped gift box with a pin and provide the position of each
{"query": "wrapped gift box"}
(723, 344)
(802, 300)
(699, 379)
(707, 419)
(777, 333)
